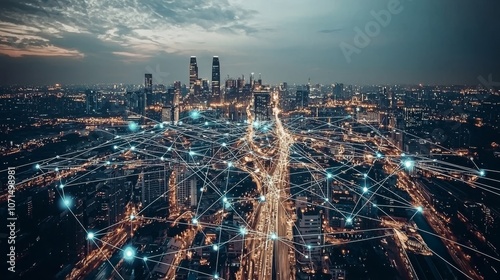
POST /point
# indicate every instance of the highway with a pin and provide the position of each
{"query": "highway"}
(268, 249)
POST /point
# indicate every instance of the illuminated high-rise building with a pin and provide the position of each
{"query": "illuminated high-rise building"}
(302, 98)
(215, 76)
(148, 89)
(193, 72)
(90, 101)
(262, 106)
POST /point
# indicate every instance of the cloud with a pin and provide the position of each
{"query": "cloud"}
(140, 28)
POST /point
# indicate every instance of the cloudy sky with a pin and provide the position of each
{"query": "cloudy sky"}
(111, 41)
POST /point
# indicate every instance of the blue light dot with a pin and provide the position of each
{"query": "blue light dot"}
(61, 186)
(133, 126)
(145, 259)
(243, 231)
(329, 175)
(90, 235)
(420, 209)
(56, 169)
(224, 199)
(262, 198)
(194, 114)
(365, 189)
(132, 216)
(215, 247)
(408, 164)
(191, 153)
(132, 148)
(67, 202)
(128, 253)
(349, 220)
(115, 147)
(274, 236)
(482, 172)
(194, 221)
(229, 164)
(37, 166)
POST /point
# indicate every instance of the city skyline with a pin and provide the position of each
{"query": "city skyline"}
(250, 140)
(84, 42)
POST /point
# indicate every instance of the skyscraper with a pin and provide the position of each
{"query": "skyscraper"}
(302, 98)
(215, 76)
(193, 72)
(90, 101)
(262, 106)
(148, 89)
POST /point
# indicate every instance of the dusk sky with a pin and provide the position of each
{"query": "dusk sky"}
(112, 41)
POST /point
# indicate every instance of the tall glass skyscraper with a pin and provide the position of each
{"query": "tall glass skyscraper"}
(215, 76)
(193, 72)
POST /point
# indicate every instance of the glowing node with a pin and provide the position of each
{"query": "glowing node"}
(162, 158)
(108, 162)
(229, 164)
(243, 231)
(482, 172)
(132, 216)
(132, 148)
(329, 175)
(90, 235)
(224, 144)
(326, 198)
(56, 169)
(194, 221)
(262, 198)
(191, 153)
(161, 125)
(365, 189)
(309, 247)
(374, 205)
(194, 114)
(379, 155)
(216, 276)
(67, 202)
(115, 147)
(365, 175)
(206, 123)
(274, 236)
(169, 149)
(133, 126)
(408, 164)
(61, 186)
(403, 154)
(215, 247)
(128, 253)
(224, 199)
(37, 166)
(420, 209)
(145, 259)
(349, 220)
